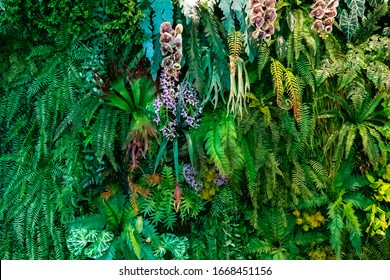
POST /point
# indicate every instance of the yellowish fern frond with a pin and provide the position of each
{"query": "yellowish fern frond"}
(277, 70)
(294, 91)
(235, 39)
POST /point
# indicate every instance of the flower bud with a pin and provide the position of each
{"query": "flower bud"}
(166, 27)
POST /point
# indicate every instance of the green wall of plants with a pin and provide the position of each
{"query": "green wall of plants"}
(156, 129)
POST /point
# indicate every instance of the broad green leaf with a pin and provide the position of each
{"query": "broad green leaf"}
(119, 86)
(118, 102)
(370, 178)
(134, 242)
(349, 23)
(135, 87)
(356, 6)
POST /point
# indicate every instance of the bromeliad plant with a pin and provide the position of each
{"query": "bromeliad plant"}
(135, 103)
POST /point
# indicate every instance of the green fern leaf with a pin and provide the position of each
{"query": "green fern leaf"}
(211, 31)
(196, 71)
(336, 226)
(215, 150)
(297, 34)
(104, 134)
(264, 55)
(134, 242)
(305, 71)
(353, 225)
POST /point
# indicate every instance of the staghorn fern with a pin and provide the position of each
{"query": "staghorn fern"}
(240, 87)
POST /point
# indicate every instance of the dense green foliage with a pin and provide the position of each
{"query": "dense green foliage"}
(272, 142)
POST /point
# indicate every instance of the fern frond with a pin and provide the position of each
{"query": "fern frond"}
(297, 34)
(305, 71)
(294, 91)
(235, 40)
(104, 134)
(277, 71)
(336, 226)
(368, 25)
(264, 56)
(353, 226)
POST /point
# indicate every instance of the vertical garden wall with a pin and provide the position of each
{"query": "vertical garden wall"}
(155, 129)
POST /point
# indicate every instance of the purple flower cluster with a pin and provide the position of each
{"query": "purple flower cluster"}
(189, 174)
(169, 129)
(190, 106)
(325, 12)
(263, 15)
(220, 180)
(166, 103)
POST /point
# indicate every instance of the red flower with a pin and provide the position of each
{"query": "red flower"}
(328, 21)
(179, 29)
(267, 37)
(254, 2)
(328, 28)
(258, 33)
(177, 56)
(269, 29)
(167, 62)
(177, 42)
